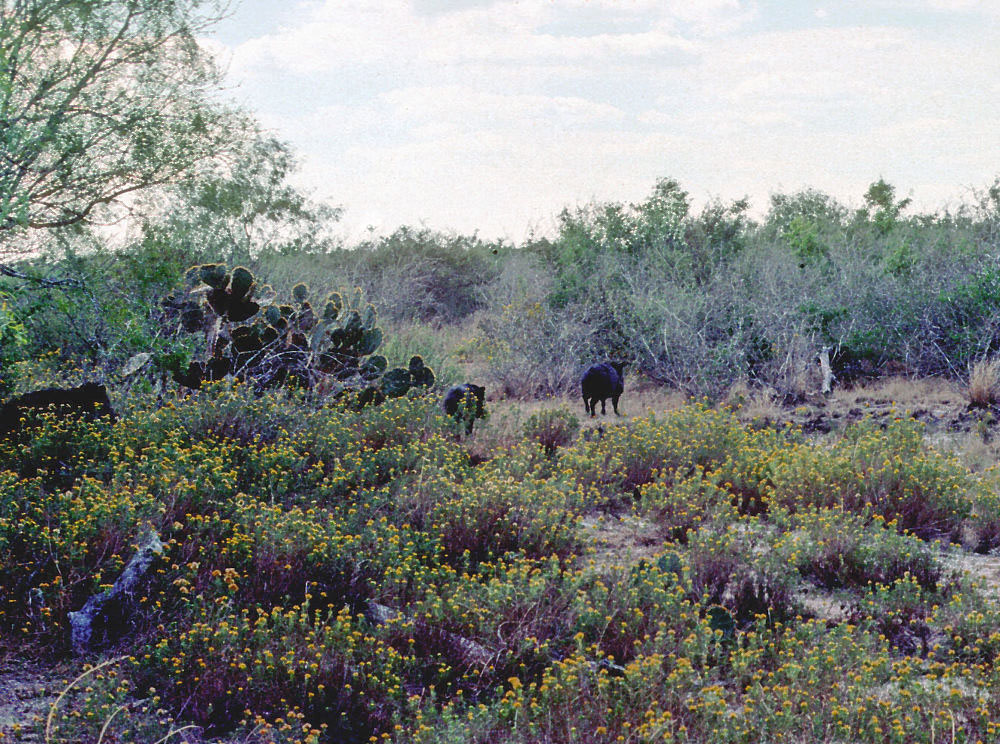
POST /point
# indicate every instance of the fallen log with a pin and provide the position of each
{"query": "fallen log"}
(472, 652)
(82, 621)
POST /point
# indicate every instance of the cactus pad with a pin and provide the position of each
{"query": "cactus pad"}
(241, 283)
(333, 306)
(396, 382)
(272, 315)
(240, 310)
(369, 316)
(373, 366)
(214, 275)
(370, 341)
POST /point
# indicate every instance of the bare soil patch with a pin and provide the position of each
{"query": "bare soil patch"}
(984, 569)
(27, 691)
(616, 542)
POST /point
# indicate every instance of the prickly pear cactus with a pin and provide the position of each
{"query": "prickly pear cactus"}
(242, 282)
(399, 380)
(272, 344)
(719, 618)
(373, 367)
(332, 307)
(214, 275)
(396, 382)
(421, 375)
(231, 295)
(370, 341)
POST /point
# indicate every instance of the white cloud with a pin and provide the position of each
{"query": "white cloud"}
(362, 32)
(471, 109)
(493, 115)
(962, 5)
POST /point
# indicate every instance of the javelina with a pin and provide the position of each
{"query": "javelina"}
(465, 403)
(600, 382)
(88, 401)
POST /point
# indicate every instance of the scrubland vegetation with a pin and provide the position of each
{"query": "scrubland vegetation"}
(694, 300)
(794, 589)
(337, 561)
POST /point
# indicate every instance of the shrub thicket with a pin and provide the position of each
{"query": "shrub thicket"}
(696, 299)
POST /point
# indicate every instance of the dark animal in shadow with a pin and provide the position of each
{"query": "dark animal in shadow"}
(465, 403)
(600, 382)
(87, 401)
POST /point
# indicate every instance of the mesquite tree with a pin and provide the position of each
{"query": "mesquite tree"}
(100, 99)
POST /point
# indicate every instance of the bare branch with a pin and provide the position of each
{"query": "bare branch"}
(8, 270)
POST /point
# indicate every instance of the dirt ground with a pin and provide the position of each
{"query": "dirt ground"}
(27, 691)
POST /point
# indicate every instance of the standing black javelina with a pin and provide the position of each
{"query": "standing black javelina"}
(600, 382)
(88, 401)
(465, 403)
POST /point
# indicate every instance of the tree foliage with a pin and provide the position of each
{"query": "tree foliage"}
(243, 206)
(881, 205)
(100, 99)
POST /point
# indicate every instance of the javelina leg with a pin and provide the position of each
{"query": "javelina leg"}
(591, 406)
(604, 406)
(614, 402)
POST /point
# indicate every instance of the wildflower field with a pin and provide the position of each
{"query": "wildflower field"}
(279, 538)
(336, 575)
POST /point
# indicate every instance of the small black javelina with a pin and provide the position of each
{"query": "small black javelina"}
(600, 382)
(89, 400)
(465, 403)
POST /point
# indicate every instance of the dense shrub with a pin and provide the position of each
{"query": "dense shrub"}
(890, 473)
(836, 550)
(701, 300)
(627, 457)
(530, 348)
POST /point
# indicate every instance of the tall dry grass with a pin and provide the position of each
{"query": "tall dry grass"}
(984, 382)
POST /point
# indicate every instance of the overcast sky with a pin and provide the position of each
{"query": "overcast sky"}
(472, 115)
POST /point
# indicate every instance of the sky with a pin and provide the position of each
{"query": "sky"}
(491, 116)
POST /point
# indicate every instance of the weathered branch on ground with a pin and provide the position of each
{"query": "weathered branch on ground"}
(82, 621)
(472, 652)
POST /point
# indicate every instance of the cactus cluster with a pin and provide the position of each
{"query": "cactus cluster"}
(331, 348)
(398, 381)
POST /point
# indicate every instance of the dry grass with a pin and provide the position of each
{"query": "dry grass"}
(970, 447)
(507, 416)
(640, 399)
(906, 393)
(800, 374)
(616, 542)
(984, 382)
(756, 406)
